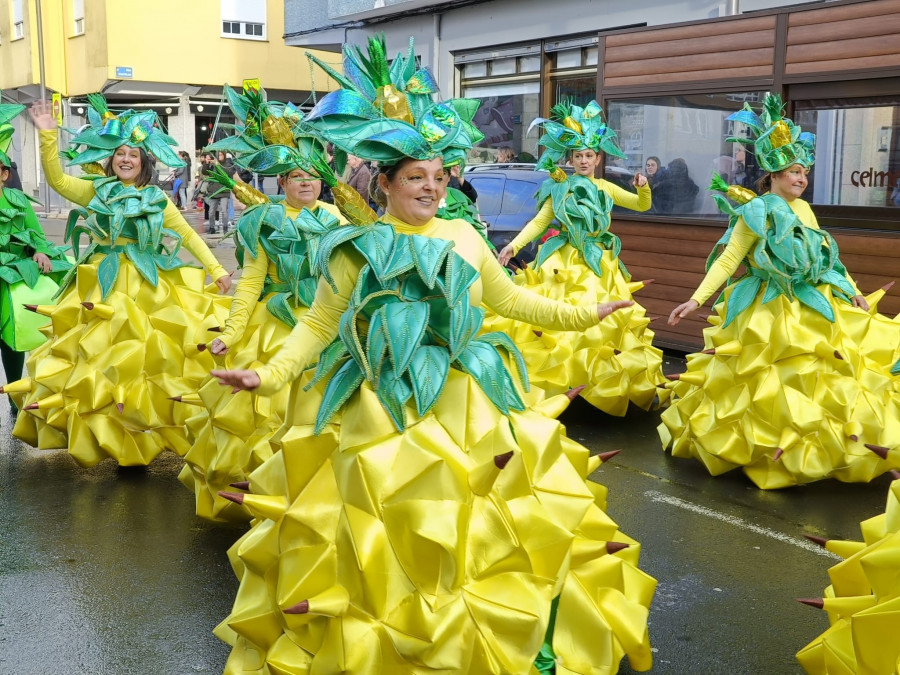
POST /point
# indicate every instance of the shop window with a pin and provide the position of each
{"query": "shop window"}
(685, 139)
(857, 152)
(580, 90)
(504, 116)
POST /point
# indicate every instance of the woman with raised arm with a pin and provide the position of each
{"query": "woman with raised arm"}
(795, 382)
(418, 516)
(100, 385)
(614, 360)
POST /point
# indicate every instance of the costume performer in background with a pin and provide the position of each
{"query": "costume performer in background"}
(230, 434)
(100, 386)
(795, 378)
(863, 600)
(30, 267)
(417, 517)
(615, 360)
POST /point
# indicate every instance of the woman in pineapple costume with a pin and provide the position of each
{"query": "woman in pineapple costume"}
(230, 434)
(418, 518)
(795, 380)
(863, 600)
(30, 267)
(100, 386)
(615, 360)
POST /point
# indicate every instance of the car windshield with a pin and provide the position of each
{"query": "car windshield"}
(518, 196)
(490, 193)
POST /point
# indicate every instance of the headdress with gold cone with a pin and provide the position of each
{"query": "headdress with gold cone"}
(571, 128)
(777, 142)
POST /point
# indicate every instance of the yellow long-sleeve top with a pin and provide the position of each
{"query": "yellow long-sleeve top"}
(742, 240)
(82, 192)
(629, 200)
(253, 277)
(319, 326)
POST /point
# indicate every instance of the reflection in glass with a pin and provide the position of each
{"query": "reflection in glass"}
(857, 155)
(581, 90)
(504, 116)
(688, 135)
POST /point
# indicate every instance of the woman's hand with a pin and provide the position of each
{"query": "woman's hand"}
(506, 253)
(682, 311)
(41, 114)
(604, 309)
(238, 380)
(640, 180)
(217, 347)
(860, 301)
(224, 283)
(43, 262)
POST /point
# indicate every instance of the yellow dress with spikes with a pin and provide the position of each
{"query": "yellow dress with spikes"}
(230, 433)
(615, 360)
(782, 392)
(441, 548)
(863, 601)
(101, 384)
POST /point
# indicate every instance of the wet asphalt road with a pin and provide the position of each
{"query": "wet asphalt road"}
(108, 571)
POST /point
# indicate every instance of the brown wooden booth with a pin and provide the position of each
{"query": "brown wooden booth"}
(817, 55)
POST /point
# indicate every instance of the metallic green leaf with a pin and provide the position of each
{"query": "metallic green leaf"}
(429, 255)
(483, 363)
(144, 262)
(741, 297)
(394, 391)
(405, 324)
(812, 298)
(428, 373)
(458, 277)
(107, 272)
(332, 356)
(340, 388)
(465, 322)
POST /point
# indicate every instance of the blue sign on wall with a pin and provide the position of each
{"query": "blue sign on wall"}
(124, 72)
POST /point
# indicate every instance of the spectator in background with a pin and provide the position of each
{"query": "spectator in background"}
(13, 181)
(182, 178)
(675, 192)
(458, 182)
(653, 171)
(326, 195)
(359, 177)
(506, 155)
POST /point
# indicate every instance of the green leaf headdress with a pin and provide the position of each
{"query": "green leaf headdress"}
(387, 112)
(7, 112)
(571, 128)
(106, 131)
(776, 141)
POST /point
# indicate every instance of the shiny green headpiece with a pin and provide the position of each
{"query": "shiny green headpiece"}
(385, 113)
(571, 128)
(7, 112)
(776, 141)
(106, 131)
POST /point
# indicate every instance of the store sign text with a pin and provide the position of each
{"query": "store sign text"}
(872, 178)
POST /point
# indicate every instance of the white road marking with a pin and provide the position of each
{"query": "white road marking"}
(741, 523)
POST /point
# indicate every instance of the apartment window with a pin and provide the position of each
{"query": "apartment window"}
(18, 20)
(77, 17)
(243, 19)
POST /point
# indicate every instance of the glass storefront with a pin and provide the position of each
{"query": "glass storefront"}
(679, 142)
(504, 116)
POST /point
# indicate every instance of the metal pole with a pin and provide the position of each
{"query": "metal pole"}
(40, 41)
(732, 7)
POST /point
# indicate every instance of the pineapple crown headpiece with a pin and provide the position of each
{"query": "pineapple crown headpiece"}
(106, 131)
(385, 112)
(271, 138)
(777, 142)
(8, 111)
(571, 128)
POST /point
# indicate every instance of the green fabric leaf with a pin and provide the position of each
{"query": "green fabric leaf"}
(812, 298)
(393, 391)
(482, 361)
(458, 277)
(465, 322)
(741, 297)
(376, 246)
(10, 274)
(376, 342)
(503, 340)
(248, 227)
(29, 270)
(549, 247)
(340, 388)
(754, 214)
(839, 281)
(429, 255)
(347, 330)
(144, 262)
(405, 324)
(306, 291)
(772, 292)
(107, 272)
(428, 373)
(279, 307)
(331, 357)
(331, 240)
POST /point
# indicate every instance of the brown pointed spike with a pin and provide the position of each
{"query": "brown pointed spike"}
(647, 282)
(617, 351)
(708, 351)
(674, 376)
(215, 329)
(778, 453)
(88, 305)
(31, 406)
(201, 347)
(838, 356)
(555, 271)
(879, 450)
(854, 438)
(175, 398)
(662, 386)
(819, 603)
(500, 461)
(538, 332)
(888, 286)
(240, 485)
(895, 474)
(615, 546)
(821, 541)
(300, 608)
(120, 407)
(575, 391)
(235, 497)
(653, 318)
(608, 455)
(30, 308)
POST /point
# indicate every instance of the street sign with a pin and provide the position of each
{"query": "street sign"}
(124, 72)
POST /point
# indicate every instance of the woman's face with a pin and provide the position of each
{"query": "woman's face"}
(221, 157)
(126, 163)
(416, 190)
(585, 162)
(301, 189)
(652, 167)
(790, 183)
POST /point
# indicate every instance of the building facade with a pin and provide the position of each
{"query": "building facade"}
(170, 56)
